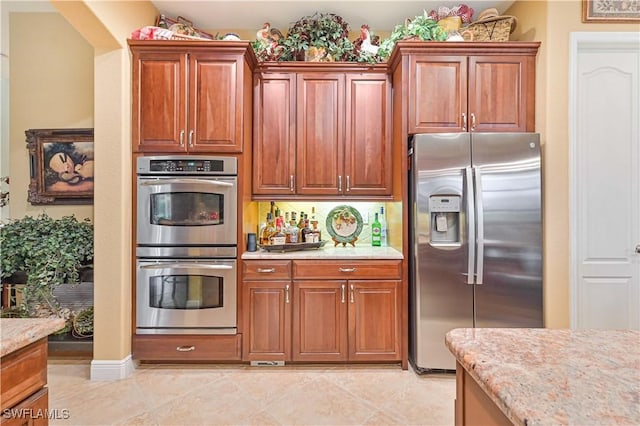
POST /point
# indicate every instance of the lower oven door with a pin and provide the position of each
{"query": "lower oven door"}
(186, 297)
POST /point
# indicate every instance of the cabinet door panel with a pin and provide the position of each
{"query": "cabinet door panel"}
(274, 131)
(374, 320)
(320, 133)
(215, 114)
(368, 135)
(159, 102)
(319, 321)
(497, 93)
(268, 320)
(439, 95)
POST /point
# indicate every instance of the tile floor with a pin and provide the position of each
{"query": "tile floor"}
(239, 394)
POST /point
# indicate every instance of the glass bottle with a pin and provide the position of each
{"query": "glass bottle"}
(383, 228)
(268, 230)
(375, 232)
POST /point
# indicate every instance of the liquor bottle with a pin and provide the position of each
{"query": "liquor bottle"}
(375, 232)
(317, 235)
(301, 221)
(293, 230)
(267, 231)
(383, 228)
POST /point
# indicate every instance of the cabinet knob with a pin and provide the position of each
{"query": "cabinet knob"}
(286, 293)
(266, 270)
(191, 138)
(342, 292)
(181, 137)
(348, 183)
(185, 348)
(339, 183)
(464, 122)
(473, 122)
(291, 183)
(352, 291)
(347, 269)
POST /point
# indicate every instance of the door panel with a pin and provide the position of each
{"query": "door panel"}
(498, 90)
(320, 134)
(440, 95)
(607, 185)
(441, 299)
(508, 180)
(320, 321)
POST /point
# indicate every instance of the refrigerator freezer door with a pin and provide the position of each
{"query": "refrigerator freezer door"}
(508, 174)
(441, 298)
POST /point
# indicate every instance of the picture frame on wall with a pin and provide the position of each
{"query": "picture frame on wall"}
(608, 11)
(61, 163)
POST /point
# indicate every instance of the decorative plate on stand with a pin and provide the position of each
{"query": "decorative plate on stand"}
(344, 224)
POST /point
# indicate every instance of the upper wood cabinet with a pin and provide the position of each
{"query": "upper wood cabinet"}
(322, 132)
(191, 96)
(475, 87)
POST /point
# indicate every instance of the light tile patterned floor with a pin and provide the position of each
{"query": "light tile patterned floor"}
(243, 395)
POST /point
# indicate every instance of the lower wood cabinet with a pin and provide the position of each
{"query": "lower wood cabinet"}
(322, 311)
(187, 347)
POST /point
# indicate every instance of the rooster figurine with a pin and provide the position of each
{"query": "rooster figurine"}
(268, 35)
(367, 45)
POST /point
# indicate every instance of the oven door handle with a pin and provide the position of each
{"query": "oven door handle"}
(188, 181)
(184, 266)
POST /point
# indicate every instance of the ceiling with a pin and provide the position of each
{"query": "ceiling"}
(380, 15)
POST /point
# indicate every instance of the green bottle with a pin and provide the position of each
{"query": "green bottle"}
(376, 232)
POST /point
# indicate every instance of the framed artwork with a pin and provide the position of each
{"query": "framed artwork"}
(611, 11)
(61, 166)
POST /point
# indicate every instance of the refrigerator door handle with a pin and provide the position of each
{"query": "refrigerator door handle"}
(471, 224)
(480, 225)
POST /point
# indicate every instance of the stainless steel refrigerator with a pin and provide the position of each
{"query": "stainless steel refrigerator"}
(476, 239)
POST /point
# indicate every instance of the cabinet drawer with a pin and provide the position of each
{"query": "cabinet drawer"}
(266, 269)
(23, 372)
(344, 269)
(187, 347)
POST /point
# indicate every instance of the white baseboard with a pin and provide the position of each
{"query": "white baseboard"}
(112, 370)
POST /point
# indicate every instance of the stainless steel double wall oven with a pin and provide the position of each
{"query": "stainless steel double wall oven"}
(186, 246)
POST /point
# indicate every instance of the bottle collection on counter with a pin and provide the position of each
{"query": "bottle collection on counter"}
(289, 229)
(297, 227)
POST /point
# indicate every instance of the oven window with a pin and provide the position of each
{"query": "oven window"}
(187, 209)
(185, 292)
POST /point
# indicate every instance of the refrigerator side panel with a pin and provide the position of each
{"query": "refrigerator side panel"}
(509, 193)
(440, 297)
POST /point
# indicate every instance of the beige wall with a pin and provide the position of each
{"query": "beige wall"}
(552, 22)
(51, 86)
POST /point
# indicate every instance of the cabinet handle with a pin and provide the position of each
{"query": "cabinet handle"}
(181, 137)
(265, 270)
(348, 183)
(286, 293)
(347, 269)
(473, 122)
(291, 183)
(191, 138)
(339, 183)
(342, 291)
(464, 122)
(185, 348)
(352, 291)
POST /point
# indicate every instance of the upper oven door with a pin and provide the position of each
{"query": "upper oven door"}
(187, 211)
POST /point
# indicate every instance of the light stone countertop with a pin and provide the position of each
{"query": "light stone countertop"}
(329, 252)
(555, 376)
(16, 333)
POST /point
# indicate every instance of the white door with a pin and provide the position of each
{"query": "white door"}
(605, 180)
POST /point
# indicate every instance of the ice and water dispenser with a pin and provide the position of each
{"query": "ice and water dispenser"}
(445, 219)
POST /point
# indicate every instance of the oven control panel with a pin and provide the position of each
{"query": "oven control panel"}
(187, 165)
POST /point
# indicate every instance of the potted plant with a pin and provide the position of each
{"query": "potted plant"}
(422, 27)
(50, 252)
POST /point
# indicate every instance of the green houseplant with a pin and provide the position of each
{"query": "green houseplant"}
(422, 27)
(50, 252)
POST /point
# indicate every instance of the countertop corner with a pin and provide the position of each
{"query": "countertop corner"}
(16, 333)
(539, 376)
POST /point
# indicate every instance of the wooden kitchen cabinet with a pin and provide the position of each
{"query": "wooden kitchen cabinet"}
(328, 131)
(355, 318)
(267, 297)
(191, 96)
(476, 87)
(322, 310)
